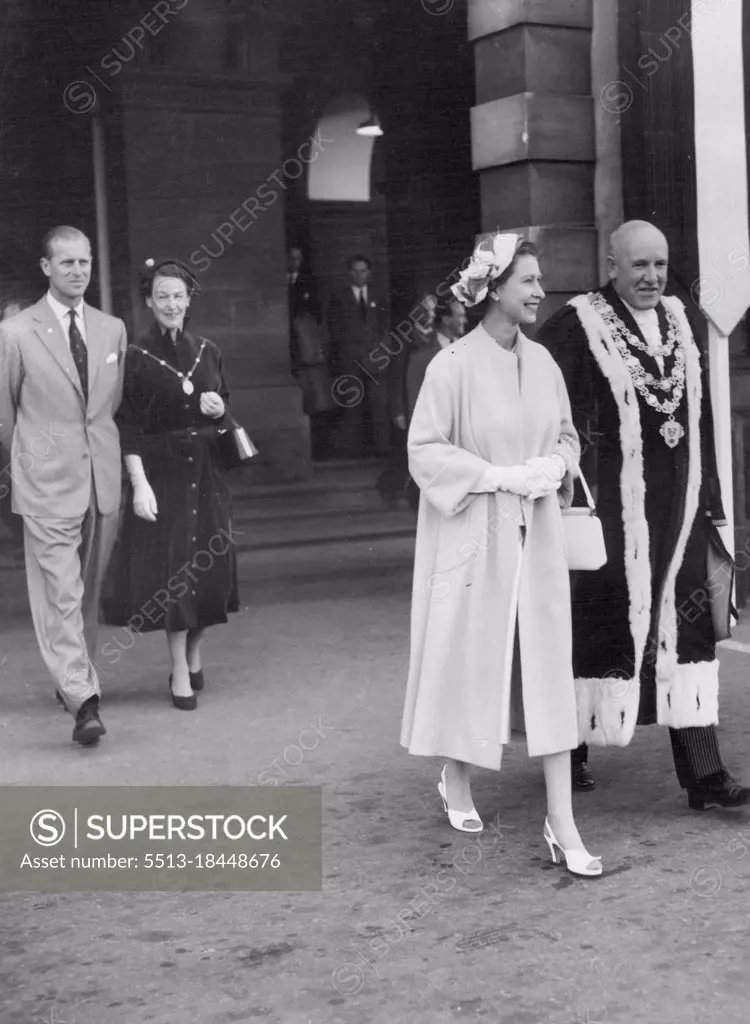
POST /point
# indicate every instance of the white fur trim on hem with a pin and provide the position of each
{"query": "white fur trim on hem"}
(607, 711)
(632, 481)
(692, 697)
(612, 718)
(666, 657)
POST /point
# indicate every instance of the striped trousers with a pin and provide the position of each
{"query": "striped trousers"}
(695, 750)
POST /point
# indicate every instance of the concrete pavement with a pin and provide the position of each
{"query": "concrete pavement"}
(416, 923)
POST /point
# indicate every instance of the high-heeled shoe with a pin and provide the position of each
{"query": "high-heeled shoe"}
(578, 862)
(183, 703)
(464, 821)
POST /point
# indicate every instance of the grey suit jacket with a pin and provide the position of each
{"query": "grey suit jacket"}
(56, 443)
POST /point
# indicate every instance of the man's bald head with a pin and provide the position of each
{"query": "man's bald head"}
(638, 261)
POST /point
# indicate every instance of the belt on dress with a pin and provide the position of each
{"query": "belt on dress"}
(184, 433)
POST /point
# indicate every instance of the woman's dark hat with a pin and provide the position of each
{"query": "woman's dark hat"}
(151, 270)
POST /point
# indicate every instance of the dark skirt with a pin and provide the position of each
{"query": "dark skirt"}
(180, 572)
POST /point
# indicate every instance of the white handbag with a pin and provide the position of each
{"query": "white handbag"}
(583, 535)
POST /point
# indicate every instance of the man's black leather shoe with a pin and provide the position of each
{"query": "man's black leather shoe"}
(88, 728)
(581, 776)
(719, 790)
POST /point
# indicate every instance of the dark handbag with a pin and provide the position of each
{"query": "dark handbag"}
(234, 446)
(720, 568)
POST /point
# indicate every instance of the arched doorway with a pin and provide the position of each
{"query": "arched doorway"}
(337, 211)
(345, 211)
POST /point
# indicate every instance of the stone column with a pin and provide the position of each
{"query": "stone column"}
(533, 133)
(203, 179)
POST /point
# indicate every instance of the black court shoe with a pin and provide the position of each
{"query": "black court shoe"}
(183, 703)
(88, 728)
(719, 790)
(581, 776)
(197, 681)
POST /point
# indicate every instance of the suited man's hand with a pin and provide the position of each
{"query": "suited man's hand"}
(212, 404)
(144, 501)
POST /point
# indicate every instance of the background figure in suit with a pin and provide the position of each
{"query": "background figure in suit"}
(360, 362)
(394, 480)
(449, 324)
(308, 354)
(61, 374)
(11, 303)
(303, 301)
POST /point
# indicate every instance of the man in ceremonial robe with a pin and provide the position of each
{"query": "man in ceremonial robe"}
(643, 636)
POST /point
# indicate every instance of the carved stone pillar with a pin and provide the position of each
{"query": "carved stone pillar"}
(533, 133)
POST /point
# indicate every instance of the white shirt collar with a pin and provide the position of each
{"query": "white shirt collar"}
(61, 312)
(359, 291)
(648, 323)
(641, 316)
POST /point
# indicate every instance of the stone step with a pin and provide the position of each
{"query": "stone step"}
(338, 487)
(296, 558)
(330, 477)
(298, 504)
(316, 527)
(388, 558)
(339, 506)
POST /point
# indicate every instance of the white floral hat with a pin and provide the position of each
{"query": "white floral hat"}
(489, 260)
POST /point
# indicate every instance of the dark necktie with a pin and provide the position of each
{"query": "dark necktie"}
(362, 303)
(80, 355)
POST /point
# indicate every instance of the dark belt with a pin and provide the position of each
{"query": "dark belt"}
(178, 443)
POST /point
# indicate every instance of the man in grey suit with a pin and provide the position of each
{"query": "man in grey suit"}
(61, 376)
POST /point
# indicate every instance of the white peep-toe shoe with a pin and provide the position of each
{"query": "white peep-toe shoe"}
(578, 862)
(464, 821)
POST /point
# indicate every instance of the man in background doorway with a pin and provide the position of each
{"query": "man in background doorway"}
(303, 302)
(307, 346)
(360, 363)
(449, 324)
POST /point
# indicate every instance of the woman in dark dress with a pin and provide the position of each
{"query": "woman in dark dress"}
(175, 568)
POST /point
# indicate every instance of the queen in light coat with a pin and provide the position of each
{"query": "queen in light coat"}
(493, 451)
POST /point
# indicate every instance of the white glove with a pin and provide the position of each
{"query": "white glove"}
(550, 466)
(547, 475)
(513, 479)
(144, 501)
(211, 404)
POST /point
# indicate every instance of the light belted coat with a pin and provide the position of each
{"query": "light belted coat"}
(486, 563)
(57, 443)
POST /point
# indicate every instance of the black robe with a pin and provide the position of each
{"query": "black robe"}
(181, 571)
(624, 640)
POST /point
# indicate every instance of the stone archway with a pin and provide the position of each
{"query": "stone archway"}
(342, 171)
(344, 208)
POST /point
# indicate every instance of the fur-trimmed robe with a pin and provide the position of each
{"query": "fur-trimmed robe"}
(643, 641)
